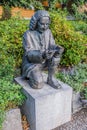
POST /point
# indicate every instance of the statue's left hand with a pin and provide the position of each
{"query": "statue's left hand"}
(59, 49)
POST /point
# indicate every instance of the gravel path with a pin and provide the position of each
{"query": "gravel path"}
(78, 122)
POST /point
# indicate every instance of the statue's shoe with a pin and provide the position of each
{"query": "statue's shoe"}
(55, 84)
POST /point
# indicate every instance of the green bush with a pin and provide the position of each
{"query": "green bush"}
(66, 36)
(80, 26)
(10, 96)
(11, 32)
(22, 3)
(10, 93)
(64, 33)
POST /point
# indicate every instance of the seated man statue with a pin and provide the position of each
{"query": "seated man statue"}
(40, 51)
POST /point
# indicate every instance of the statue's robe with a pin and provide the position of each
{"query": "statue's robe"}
(33, 40)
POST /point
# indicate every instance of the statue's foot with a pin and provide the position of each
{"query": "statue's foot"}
(54, 84)
(36, 79)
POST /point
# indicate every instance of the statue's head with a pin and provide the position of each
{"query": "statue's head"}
(40, 21)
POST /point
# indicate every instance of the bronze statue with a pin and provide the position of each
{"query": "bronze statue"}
(40, 51)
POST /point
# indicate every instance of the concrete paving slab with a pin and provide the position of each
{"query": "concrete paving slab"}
(12, 120)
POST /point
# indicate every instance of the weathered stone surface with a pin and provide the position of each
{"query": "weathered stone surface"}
(76, 103)
(46, 108)
(13, 120)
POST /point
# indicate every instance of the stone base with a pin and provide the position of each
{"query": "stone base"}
(76, 103)
(46, 108)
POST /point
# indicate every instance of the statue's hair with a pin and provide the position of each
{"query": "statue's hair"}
(35, 18)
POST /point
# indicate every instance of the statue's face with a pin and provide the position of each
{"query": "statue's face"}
(43, 24)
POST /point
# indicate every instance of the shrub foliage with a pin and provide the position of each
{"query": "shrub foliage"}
(11, 50)
(11, 32)
(73, 42)
(75, 77)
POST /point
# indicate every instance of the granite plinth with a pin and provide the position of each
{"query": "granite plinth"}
(76, 103)
(46, 108)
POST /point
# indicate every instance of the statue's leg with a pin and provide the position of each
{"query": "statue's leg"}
(36, 78)
(52, 66)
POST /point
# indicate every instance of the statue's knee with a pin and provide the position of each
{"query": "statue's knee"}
(36, 79)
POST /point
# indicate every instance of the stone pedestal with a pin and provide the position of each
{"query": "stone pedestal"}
(76, 103)
(46, 108)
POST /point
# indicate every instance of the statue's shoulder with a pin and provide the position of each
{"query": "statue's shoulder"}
(27, 33)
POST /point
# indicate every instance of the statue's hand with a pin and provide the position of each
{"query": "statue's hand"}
(35, 56)
(59, 49)
(48, 54)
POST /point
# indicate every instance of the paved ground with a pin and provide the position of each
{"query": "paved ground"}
(78, 122)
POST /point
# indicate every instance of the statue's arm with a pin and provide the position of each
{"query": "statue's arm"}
(33, 56)
(26, 42)
(57, 48)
